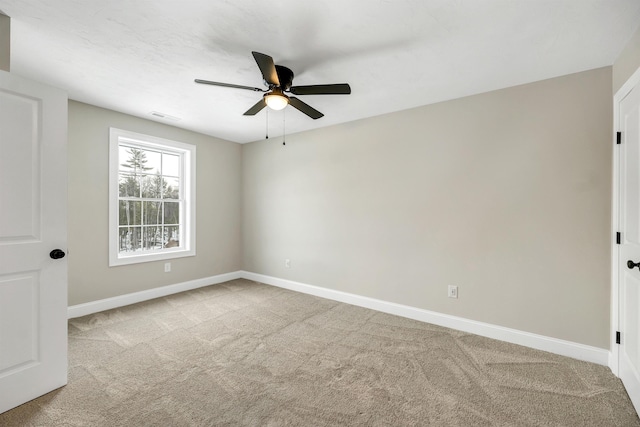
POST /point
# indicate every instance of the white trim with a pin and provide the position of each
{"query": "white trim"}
(527, 339)
(627, 86)
(122, 300)
(615, 220)
(539, 342)
(615, 227)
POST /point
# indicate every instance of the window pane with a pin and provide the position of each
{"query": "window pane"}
(129, 239)
(170, 164)
(138, 161)
(152, 238)
(123, 155)
(171, 236)
(130, 212)
(171, 213)
(152, 186)
(152, 213)
(128, 185)
(172, 189)
(154, 161)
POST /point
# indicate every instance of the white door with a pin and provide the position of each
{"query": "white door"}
(33, 198)
(629, 252)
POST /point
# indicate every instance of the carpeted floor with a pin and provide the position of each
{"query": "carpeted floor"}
(244, 353)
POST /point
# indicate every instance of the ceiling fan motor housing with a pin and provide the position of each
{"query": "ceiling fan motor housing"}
(285, 76)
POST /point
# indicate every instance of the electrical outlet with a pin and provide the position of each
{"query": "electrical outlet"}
(287, 263)
(452, 291)
(167, 267)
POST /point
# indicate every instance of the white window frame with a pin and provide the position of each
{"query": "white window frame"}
(188, 154)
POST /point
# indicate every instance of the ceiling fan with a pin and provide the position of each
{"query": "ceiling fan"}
(278, 80)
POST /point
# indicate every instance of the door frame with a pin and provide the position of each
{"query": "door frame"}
(614, 354)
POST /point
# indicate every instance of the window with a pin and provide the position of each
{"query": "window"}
(151, 198)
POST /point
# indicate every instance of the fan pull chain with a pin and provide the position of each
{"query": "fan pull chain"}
(284, 128)
(267, 125)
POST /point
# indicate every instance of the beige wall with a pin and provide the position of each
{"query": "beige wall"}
(627, 63)
(218, 185)
(505, 194)
(5, 42)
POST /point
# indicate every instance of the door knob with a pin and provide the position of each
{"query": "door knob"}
(632, 264)
(57, 254)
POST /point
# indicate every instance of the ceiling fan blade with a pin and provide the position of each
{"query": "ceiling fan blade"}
(307, 109)
(335, 89)
(267, 68)
(208, 82)
(256, 108)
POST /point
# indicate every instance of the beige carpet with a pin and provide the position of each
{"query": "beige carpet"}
(244, 353)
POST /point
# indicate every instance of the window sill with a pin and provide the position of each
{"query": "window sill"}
(141, 258)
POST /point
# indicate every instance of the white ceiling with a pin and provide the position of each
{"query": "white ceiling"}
(142, 56)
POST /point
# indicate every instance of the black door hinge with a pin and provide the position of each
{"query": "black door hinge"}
(618, 237)
(618, 137)
(617, 337)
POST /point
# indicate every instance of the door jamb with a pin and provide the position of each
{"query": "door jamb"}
(632, 82)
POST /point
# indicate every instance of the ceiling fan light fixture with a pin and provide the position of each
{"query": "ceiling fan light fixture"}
(276, 100)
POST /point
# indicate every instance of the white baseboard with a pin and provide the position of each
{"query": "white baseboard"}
(527, 339)
(122, 300)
